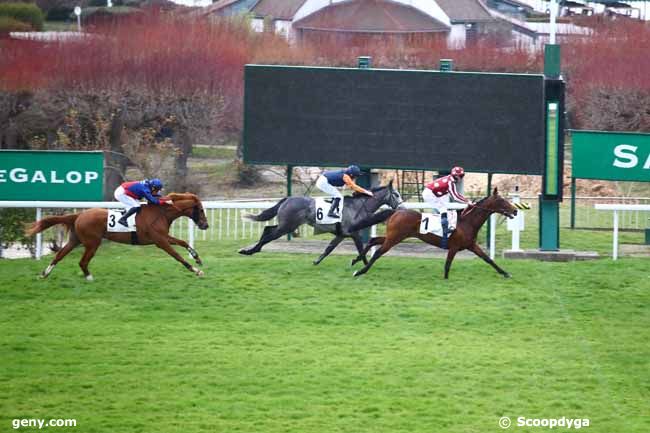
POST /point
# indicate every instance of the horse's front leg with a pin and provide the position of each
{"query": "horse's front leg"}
(180, 242)
(356, 237)
(371, 243)
(335, 242)
(479, 252)
(165, 245)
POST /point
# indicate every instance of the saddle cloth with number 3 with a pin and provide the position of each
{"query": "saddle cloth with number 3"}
(113, 226)
(430, 223)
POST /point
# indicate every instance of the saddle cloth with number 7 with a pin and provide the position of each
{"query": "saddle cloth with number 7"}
(430, 223)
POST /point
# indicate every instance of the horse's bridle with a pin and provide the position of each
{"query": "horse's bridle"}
(195, 212)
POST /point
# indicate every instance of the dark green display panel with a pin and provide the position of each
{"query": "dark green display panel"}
(394, 119)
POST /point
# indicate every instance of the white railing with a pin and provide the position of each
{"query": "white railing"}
(226, 214)
(588, 217)
(616, 208)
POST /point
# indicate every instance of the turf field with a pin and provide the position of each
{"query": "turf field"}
(271, 343)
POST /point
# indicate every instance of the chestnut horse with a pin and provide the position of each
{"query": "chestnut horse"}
(403, 224)
(152, 227)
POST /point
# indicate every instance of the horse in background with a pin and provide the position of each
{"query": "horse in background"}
(88, 228)
(405, 223)
(292, 212)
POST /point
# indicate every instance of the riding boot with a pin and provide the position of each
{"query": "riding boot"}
(334, 209)
(126, 216)
(444, 222)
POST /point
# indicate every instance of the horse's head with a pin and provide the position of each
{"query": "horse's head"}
(189, 205)
(497, 203)
(388, 195)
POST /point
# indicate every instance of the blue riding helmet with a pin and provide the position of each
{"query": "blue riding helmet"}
(353, 170)
(155, 184)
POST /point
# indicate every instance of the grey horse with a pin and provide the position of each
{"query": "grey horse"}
(292, 212)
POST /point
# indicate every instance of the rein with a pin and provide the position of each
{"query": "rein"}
(469, 209)
(363, 205)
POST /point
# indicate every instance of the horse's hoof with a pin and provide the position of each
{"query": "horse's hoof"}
(199, 262)
(353, 262)
(199, 273)
(89, 278)
(356, 273)
(244, 251)
(507, 275)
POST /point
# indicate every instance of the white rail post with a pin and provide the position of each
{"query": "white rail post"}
(190, 233)
(39, 236)
(615, 241)
(515, 240)
(516, 224)
(493, 218)
(554, 9)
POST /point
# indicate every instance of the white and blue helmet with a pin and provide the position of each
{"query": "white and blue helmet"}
(155, 183)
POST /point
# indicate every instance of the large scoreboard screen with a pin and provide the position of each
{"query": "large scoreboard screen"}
(408, 119)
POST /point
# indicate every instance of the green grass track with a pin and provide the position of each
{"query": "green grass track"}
(271, 343)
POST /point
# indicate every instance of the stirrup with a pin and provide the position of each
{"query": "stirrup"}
(444, 223)
(444, 240)
(332, 214)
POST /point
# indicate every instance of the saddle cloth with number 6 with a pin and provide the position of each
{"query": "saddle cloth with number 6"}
(113, 226)
(322, 206)
(430, 223)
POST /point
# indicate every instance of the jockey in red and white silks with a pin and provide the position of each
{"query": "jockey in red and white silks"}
(439, 192)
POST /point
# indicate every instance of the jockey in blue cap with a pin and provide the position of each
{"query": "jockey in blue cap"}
(130, 194)
(330, 181)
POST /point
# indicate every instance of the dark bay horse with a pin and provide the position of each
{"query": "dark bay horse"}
(404, 224)
(152, 227)
(292, 212)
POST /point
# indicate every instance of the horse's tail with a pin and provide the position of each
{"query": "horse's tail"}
(373, 219)
(47, 222)
(267, 214)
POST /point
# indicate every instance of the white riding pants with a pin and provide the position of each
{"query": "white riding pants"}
(323, 184)
(439, 203)
(127, 200)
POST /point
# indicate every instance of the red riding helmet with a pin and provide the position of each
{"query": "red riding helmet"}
(457, 172)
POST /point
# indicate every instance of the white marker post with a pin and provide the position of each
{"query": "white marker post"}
(39, 236)
(554, 10)
(516, 224)
(190, 233)
(77, 12)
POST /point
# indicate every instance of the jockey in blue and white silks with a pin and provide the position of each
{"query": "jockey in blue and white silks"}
(330, 181)
(130, 194)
